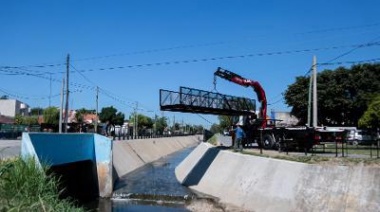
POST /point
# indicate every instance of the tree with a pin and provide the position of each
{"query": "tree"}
(215, 128)
(343, 94)
(18, 119)
(371, 117)
(37, 111)
(143, 121)
(111, 117)
(30, 120)
(81, 112)
(161, 123)
(26, 120)
(198, 129)
(4, 97)
(225, 121)
(51, 115)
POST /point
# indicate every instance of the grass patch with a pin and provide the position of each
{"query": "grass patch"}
(213, 140)
(365, 150)
(25, 187)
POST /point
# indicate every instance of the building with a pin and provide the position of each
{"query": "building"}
(286, 119)
(13, 107)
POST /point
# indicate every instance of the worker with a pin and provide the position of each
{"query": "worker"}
(232, 134)
(239, 136)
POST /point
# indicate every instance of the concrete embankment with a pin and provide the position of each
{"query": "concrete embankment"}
(132, 154)
(264, 184)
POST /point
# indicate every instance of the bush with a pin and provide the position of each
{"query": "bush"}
(25, 187)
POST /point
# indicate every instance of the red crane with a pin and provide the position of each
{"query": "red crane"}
(235, 78)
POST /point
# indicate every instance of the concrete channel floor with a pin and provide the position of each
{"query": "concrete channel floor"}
(9, 148)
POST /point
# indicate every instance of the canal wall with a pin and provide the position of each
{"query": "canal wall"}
(264, 184)
(129, 155)
(67, 151)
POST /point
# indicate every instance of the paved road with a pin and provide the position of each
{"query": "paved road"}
(225, 140)
(9, 148)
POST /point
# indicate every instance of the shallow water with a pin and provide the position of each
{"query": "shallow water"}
(154, 187)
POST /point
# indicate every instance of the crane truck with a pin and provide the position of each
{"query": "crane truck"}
(258, 128)
(263, 131)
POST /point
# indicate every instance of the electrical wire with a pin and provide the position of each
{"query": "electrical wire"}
(373, 42)
(228, 57)
(19, 96)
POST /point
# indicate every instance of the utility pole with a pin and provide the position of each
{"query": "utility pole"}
(96, 111)
(315, 104)
(50, 92)
(135, 122)
(61, 109)
(309, 100)
(67, 91)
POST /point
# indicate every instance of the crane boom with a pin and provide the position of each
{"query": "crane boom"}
(235, 78)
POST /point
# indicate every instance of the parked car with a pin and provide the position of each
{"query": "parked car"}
(352, 136)
(364, 137)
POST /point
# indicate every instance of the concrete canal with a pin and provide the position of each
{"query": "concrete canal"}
(154, 187)
(148, 174)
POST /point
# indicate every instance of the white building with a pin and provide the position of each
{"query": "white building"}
(13, 107)
(286, 118)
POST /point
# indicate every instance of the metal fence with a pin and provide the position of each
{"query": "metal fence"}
(368, 149)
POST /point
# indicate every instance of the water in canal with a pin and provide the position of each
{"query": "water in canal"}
(154, 187)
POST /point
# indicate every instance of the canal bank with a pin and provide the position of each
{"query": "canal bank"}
(154, 187)
(263, 184)
(129, 155)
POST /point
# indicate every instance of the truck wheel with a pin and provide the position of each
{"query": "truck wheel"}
(267, 141)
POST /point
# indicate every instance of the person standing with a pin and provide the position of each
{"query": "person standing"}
(239, 136)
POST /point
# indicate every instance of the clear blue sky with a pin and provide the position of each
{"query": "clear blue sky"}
(100, 35)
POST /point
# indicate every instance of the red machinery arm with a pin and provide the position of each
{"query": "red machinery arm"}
(235, 78)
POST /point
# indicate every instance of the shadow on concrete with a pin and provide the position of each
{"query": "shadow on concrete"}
(196, 174)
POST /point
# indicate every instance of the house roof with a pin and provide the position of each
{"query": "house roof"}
(6, 120)
(89, 118)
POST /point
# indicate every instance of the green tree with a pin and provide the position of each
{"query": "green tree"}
(143, 121)
(30, 120)
(51, 115)
(215, 128)
(371, 117)
(79, 115)
(19, 119)
(343, 94)
(225, 121)
(26, 120)
(198, 129)
(111, 116)
(161, 123)
(36, 111)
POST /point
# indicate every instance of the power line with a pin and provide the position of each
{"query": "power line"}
(19, 96)
(228, 57)
(220, 43)
(49, 65)
(286, 52)
(368, 44)
(350, 62)
(356, 48)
